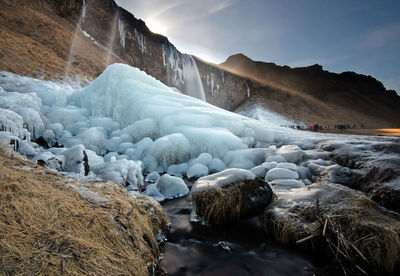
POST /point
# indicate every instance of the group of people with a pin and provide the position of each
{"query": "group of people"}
(344, 127)
(317, 127)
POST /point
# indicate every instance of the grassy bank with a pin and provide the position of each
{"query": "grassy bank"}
(50, 225)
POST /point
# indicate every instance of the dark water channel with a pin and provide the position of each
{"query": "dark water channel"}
(239, 249)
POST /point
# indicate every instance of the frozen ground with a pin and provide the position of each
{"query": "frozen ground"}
(126, 124)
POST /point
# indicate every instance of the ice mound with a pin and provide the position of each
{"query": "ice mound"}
(126, 172)
(144, 107)
(152, 177)
(280, 173)
(11, 122)
(197, 170)
(261, 170)
(171, 186)
(292, 153)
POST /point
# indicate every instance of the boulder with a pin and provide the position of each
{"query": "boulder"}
(229, 195)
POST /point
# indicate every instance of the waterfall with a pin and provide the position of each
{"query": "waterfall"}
(74, 43)
(111, 39)
(182, 72)
(191, 76)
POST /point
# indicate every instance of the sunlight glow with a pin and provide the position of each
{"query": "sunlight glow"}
(156, 27)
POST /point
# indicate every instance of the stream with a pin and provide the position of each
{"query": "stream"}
(238, 249)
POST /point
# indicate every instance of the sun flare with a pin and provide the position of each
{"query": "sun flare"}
(156, 26)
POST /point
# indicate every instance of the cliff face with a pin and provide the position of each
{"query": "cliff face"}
(58, 38)
(328, 97)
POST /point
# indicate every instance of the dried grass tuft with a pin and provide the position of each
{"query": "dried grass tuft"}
(232, 201)
(46, 228)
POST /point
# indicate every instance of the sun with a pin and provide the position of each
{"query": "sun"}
(156, 27)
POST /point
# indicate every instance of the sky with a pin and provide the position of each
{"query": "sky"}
(341, 35)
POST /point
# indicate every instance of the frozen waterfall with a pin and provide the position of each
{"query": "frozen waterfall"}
(182, 72)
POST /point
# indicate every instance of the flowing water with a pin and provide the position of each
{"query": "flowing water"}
(239, 249)
(74, 43)
(111, 40)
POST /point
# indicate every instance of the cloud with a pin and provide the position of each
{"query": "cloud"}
(381, 36)
(175, 11)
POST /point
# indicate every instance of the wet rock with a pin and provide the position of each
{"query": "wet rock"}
(335, 218)
(230, 195)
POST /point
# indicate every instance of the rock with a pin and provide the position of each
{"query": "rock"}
(353, 223)
(229, 195)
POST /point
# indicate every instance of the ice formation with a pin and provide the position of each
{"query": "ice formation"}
(126, 124)
(171, 186)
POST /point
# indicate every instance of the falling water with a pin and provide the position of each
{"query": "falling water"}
(111, 39)
(182, 72)
(74, 44)
(191, 76)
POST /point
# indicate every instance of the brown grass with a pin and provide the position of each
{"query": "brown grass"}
(46, 228)
(227, 203)
(219, 206)
(360, 237)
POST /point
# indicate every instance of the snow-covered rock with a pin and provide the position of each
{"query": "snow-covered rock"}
(280, 173)
(171, 186)
(229, 195)
(292, 153)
